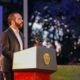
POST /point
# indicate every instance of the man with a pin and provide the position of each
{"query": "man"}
(12, 41)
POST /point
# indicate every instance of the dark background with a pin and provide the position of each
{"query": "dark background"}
(70, 9)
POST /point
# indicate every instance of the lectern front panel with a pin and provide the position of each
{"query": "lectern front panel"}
(46, 58)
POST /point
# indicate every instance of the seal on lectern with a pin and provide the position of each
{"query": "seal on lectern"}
(46, 58)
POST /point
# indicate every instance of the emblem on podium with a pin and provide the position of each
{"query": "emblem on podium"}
(46, 58)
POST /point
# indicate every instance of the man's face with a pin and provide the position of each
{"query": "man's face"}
(18, 20)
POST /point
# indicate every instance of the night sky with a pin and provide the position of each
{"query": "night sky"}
(63, 16)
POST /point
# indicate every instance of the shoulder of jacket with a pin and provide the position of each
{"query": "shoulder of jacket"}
(5, 33)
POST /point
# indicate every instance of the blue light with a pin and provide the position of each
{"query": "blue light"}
(1, 18)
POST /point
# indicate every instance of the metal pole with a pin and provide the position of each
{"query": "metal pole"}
(25, 16)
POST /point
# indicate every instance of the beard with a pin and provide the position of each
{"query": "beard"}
(19, 25)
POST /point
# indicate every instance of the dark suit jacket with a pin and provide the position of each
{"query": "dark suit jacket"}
(10, 45)
(1, 76)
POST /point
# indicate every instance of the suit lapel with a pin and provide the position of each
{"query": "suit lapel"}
(22, 37)
(11, 32)
(16, 37)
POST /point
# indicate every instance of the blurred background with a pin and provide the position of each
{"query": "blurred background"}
(51, 23)
(56, 23)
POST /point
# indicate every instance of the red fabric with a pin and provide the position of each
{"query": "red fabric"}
(31, 76)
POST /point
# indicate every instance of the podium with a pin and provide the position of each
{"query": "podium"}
(35, 63)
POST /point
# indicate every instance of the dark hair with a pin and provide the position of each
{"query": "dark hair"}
(11, 17)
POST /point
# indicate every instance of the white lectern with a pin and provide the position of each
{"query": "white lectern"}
(36, 63)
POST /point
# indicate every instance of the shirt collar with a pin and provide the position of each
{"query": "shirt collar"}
(14, 30)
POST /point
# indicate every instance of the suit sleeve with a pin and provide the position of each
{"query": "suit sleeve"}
(5, 45)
